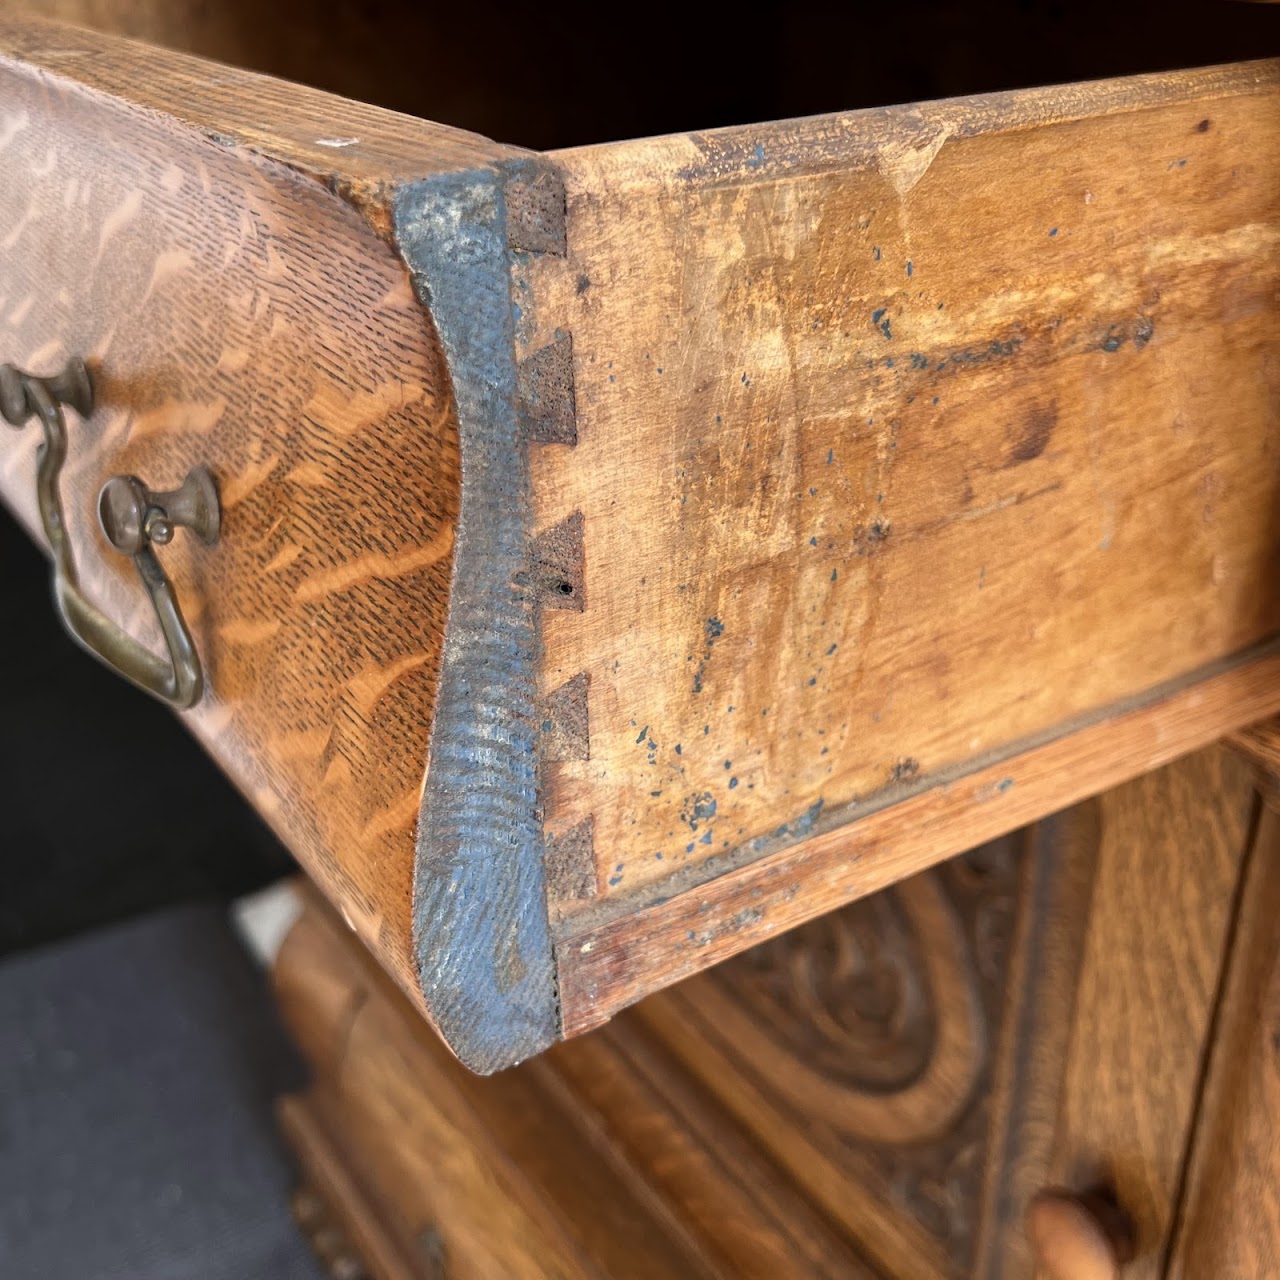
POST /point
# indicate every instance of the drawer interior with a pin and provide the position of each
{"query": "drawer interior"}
(579, 72)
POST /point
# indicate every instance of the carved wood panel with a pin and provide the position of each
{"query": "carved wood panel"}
(925, 1060)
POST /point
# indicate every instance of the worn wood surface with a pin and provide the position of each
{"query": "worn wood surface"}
(612, 964)
(1230, 1227)
(920, 397)
(219, 247)
(775, 481)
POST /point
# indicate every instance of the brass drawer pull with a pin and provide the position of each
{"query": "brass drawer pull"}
(133, 517)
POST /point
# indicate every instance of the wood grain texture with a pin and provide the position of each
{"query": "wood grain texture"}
(892, 380)
(586, 1162)
(1032, 1015)
(1230, 1226)
(858, 1051)
(609, 965)
(882, 1092)
(1173, 845)
(241, 260)
(747, 438)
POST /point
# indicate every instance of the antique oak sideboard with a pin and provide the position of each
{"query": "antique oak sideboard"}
(594, 564)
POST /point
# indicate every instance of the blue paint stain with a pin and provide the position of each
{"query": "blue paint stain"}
(797, 829)
(812, 681)
(728, 764)
(831, 456)
(1053, 231)
(909, 268)
(1004, 784)
(679, 749)
(644, 733)
(813, 542)
(707, 838)
(757, 157)
(733, 782)
(875, 254)
(835, 573)
(615, 880)
(832, 650)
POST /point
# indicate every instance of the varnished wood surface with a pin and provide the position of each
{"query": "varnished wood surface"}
(1230, 1227)
(361, 151)
(237, 314)
(593, 1161)
(244, 265)
(1172, 849)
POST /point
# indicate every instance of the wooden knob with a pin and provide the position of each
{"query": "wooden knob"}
(1079, 1237)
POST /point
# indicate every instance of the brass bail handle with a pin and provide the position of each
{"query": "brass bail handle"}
(133, 518)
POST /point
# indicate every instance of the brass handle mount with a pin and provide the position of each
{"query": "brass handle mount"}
(133, 518)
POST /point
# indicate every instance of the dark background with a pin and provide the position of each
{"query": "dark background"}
(107, 809)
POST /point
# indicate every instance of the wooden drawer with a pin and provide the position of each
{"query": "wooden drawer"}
(631, 552)
(881, 1092)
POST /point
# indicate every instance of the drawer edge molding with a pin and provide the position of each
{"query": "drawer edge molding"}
(481, 930)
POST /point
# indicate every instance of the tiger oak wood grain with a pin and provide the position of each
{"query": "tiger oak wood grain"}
(217, 245)
(275, 339)
(1173, 846)
(1230, 1227)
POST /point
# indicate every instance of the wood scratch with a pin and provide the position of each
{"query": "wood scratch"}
(905, 163)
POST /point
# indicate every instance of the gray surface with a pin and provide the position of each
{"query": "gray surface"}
(481, 933)
(137, 1070)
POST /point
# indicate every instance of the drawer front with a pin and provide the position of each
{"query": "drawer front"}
(237, 316)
